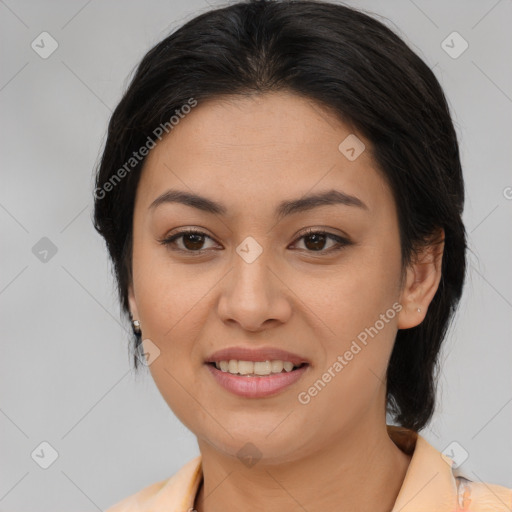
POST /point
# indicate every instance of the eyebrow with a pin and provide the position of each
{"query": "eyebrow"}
(285, 208)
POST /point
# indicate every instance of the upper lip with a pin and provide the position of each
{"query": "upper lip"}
(255, 354)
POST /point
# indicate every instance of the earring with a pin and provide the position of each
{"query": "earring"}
(136, 326)
(419, 310)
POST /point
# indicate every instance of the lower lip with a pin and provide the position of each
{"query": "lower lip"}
(256, 387)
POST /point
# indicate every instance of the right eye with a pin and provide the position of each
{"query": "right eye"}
(191, 239)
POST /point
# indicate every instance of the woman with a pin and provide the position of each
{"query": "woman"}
(281, 196)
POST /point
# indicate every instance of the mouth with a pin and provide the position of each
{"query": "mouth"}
(256, 379)
(256, 368)
(256, 373)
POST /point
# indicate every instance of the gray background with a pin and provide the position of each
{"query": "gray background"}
(65, 369)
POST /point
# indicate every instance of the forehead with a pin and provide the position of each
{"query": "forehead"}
(255, 151)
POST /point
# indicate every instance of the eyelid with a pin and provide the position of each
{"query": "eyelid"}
(321, 230)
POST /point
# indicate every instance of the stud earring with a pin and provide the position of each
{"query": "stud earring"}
(136, 326)
(419, 310)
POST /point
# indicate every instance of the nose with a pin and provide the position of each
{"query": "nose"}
(254, 295)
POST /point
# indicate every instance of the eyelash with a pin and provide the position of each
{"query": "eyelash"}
(341, 241)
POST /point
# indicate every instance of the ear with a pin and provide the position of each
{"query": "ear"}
(132, 303)
(422, 281)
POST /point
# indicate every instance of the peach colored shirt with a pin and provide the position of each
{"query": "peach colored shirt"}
(430, 485)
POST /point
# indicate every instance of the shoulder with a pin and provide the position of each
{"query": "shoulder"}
(134, 502)
(482, 496)
(433, 482)
(173, 493)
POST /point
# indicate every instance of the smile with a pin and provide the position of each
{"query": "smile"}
(255, 368)
(253, 385)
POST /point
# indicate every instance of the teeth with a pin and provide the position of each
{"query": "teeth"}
(276, 366)
(233, 366)
(245, 367)
(254, 368)
(288, 366)
(262, 368)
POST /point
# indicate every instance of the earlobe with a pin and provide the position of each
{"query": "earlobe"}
(422, 281)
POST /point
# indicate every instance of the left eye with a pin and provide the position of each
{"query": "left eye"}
(317, 240)
(314, 241)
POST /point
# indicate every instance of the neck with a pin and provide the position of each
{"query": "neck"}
(362, 470)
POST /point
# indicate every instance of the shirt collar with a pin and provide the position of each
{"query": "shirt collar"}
(429, 483)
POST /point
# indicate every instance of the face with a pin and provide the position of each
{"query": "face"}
(268, 276)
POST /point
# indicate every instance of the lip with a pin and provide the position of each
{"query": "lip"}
(256, 387)
(256, 354)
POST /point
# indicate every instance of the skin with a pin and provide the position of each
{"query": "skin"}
(250, 153)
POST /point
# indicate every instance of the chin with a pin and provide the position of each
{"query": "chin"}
(259, 444)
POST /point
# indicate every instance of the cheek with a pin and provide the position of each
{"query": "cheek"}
(358, 309)
(352, 372)
(173, 306)
(357, 293)
(169, 294)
